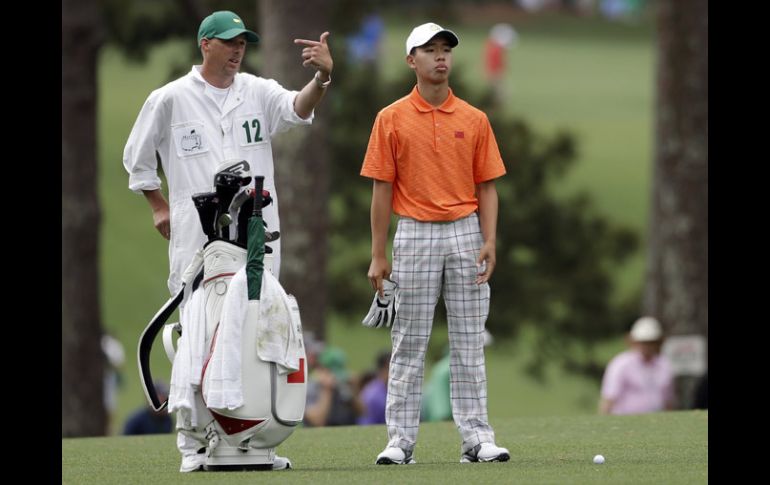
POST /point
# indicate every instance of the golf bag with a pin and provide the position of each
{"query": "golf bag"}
(239, 375)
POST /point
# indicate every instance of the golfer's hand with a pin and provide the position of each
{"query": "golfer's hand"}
(162, 222)
(317, 55)
(486, 263)
(378, 269)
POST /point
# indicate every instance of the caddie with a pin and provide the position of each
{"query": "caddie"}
(215, 113)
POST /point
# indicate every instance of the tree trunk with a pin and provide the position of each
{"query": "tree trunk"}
(301, 158)
(83, 412)
(677, 273)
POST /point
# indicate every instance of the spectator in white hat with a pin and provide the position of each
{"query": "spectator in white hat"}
(638, 380)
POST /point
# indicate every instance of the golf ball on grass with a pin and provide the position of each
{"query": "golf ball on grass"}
(598, 459)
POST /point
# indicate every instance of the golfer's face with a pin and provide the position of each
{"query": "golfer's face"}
(433, 61)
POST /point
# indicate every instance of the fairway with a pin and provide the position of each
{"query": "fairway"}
(669, 448)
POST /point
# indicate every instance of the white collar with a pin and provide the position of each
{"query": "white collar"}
(196, 74)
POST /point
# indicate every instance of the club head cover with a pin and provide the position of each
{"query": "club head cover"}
(383, 309)
(236, 167)
(206, 205)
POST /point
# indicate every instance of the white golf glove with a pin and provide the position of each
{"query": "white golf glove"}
(382, 312)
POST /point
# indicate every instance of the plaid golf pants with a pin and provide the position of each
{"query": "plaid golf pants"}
(432, 258)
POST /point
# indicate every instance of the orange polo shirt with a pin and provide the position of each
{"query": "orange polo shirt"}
(434, 157)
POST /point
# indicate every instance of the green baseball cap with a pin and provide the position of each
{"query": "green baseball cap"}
(224, 25)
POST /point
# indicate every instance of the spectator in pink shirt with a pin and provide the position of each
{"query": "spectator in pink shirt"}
(638, 380)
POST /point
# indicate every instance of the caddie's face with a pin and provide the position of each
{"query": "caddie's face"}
(432, 62)
(224, 56)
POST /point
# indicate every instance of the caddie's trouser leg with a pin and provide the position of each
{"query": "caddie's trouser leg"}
(189, 442)
(467, 307)
(417, 268)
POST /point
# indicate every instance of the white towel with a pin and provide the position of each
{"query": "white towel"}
(277, 339)
(188, 361)
(196, 327)
(223, 388)
(277, 334)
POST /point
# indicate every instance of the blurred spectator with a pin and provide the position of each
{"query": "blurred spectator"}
(580, 7)
(621, 9)
(360, 381)
(502, 36)
(330, 399)
(115, 356)
(534, 6)
(374, 394)
(364, 45)
(494, 59)
(638, 380)
(148, 421)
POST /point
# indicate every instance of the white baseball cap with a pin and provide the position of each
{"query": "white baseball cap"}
(423, 33)
(646, 329)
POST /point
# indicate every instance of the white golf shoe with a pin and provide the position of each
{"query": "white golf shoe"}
(281, 463)
(193, 463)
(485, 452)
(394, 456)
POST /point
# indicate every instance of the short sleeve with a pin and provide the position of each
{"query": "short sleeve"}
(380, 159)
(487, 162)
(279, 106)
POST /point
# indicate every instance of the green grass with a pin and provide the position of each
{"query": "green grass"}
(591, 77)
(669, 448)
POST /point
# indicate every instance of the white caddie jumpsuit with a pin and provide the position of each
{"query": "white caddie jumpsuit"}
(192, 135)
